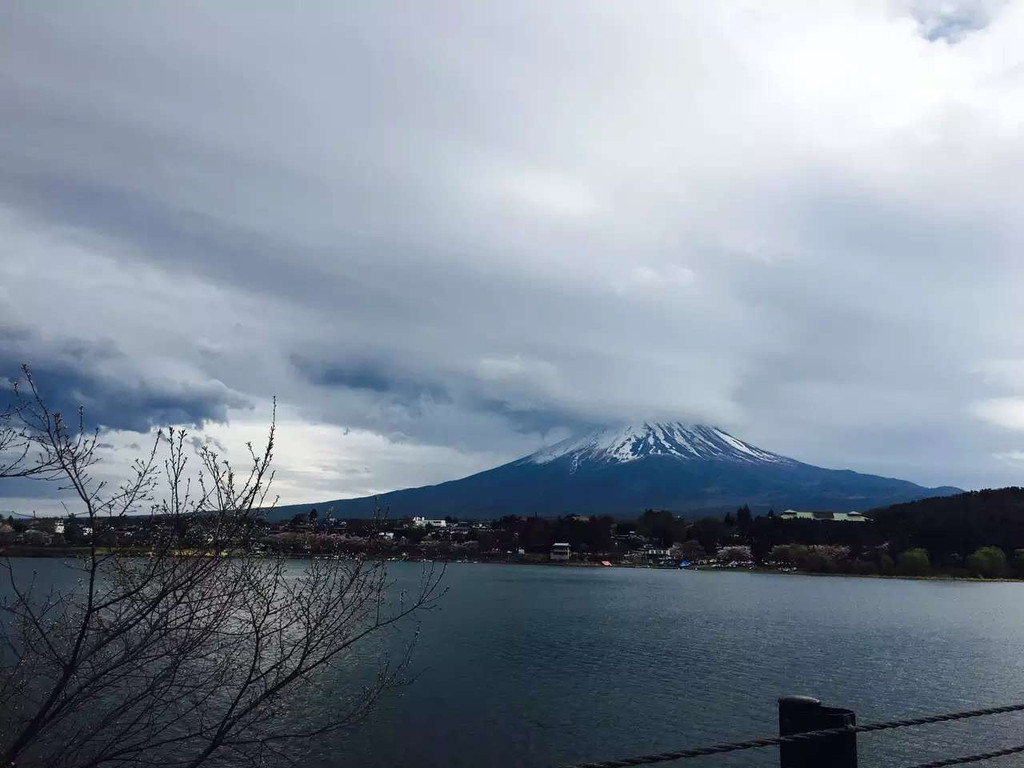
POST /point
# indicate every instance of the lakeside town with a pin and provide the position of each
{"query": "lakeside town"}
(791, 540)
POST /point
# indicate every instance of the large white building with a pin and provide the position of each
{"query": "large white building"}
(422, 522)
(832, 517)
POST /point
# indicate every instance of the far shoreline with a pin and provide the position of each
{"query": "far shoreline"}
(762, 571)
(48, 553)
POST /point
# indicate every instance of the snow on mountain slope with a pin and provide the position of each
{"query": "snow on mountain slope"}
(683, 441)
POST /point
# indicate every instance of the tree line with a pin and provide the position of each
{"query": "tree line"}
(980, 533)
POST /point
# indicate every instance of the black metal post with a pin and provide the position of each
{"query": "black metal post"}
(799, 714)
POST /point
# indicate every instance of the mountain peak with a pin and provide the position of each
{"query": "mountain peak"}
(621, 470)
(617, 445)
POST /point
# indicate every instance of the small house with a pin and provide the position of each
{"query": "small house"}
(560, 552)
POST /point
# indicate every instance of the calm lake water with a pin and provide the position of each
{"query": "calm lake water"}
(540, 666)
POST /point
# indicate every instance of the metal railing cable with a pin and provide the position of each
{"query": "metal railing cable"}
(774, 741)
(972, 758)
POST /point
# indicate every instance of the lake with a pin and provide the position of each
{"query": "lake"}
(542, 666)
(534, 666)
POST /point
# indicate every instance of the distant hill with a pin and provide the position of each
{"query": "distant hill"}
(621, 471)
(955, 524)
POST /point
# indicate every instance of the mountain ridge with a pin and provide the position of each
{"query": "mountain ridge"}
(675, 465)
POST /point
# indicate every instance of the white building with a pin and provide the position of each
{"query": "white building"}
(831, 517)
(560, 551)
(422, 522)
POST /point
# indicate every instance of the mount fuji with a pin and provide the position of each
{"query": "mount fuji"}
(622, 471)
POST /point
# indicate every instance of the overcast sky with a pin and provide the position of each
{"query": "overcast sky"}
(445, 233)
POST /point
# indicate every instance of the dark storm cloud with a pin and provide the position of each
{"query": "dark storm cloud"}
(382, 380)
(372, 377)
(535, 418)
(69, 374)
(27, 488)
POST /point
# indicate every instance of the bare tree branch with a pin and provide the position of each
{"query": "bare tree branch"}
(198, 651)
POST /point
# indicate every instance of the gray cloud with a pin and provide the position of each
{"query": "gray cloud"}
(472, 228)
(369, 376)
(953, 21)
(70, 373)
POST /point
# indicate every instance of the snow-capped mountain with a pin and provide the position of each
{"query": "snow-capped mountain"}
(623, 470)
(634, 442)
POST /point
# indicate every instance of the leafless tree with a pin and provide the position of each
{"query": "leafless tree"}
(196, 648)
(15, 441)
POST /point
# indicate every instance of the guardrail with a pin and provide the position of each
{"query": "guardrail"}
(812, 735)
